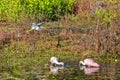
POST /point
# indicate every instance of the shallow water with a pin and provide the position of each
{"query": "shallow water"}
(71, 71)
(105, 72)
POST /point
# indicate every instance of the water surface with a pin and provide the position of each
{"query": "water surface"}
(71, 71)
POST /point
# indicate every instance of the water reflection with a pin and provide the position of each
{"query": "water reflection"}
(89, 70)
(71, 71)
(55, 69)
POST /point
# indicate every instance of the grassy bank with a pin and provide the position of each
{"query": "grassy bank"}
(73, 30)
(59, 40)
(79, 27)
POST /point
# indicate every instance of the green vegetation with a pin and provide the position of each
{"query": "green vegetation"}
(87, 28)
(73, 30)
(47, 9)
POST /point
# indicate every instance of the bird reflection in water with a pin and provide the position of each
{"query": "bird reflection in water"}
(56, 69)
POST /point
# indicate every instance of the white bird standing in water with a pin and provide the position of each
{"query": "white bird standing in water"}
(35, 26)
(89, 63)
(54, 61)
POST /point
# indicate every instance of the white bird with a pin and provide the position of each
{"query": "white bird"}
(35, 26)
(89, 63)
(54, 61)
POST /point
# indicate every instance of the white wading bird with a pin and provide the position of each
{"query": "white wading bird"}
(35, 26)
(54, 61)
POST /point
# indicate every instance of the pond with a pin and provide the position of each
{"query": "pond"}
(75, 73)
(34, 70)
(105, 72)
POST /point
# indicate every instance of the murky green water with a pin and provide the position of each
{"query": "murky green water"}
(105, 72)
(71, 71)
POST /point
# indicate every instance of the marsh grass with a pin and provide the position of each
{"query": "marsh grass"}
(25, 54)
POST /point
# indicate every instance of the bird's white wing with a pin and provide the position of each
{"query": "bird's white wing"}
(37, 28)
(39, 24)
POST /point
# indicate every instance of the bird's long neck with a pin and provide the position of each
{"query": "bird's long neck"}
(81, 62)
(59, 63)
